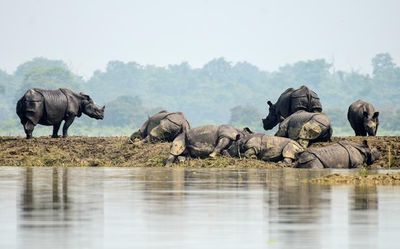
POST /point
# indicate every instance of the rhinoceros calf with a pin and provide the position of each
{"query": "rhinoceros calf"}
(266, 148)
(204, 141)
(163, 126)
(363, 118)
(288, 103)
(51, 107)
(306, 128)
(339, 155)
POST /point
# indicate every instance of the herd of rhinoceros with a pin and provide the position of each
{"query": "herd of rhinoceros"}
(297, 111)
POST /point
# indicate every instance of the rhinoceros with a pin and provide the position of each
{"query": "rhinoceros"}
(265, 147)
(51, 107)
(288, 103)
(204, 141)
(363, 118)
(342, 154)
(163, 126)
(306, 128)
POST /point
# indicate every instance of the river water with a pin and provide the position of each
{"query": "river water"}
(191, 208)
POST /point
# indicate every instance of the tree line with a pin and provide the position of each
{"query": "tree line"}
(219, 92)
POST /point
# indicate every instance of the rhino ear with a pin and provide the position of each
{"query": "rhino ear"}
(238, 136)
(365, 143)
(247, 129)
(269, 103)
(376, 115)
(85, 95)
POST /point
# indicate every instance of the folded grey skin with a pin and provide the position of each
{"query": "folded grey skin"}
(265, 147)
(289, 102)
(338, 155)
(162, 127)
(306, 128)
(204, 141)
(363, 118)
(51, 107)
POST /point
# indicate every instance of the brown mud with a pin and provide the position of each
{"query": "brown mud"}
(118, 151)
(359, 179)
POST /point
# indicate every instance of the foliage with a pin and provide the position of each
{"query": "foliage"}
(219, 92)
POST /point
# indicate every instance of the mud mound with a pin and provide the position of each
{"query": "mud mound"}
(100, 151)
(358, 179)
(117, 151)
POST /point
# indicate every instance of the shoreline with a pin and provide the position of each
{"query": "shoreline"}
(79, 151)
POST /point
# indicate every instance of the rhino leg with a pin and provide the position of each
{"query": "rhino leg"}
(28, 127)
(178, 148)
(67, 124)
(56, 127)
(222, 144)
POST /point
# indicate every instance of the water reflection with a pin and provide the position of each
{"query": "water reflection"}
(146, 208)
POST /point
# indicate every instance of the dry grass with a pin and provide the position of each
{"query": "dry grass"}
(117, 151)
(359, 179)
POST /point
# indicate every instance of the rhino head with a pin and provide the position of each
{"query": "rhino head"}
(371, 123)
(235, 149)
(273, 117)
(90, 108)
(372, 154)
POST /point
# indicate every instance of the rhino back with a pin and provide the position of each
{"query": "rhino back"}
(332, 156)
(305, 99)
(55, 106)
(153, 121)
(202, 140)
(177, 118)
(272, 147)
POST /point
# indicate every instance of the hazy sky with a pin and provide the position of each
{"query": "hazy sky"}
(87, 34)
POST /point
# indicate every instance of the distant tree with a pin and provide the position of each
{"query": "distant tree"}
(36, 64)
(386, 78)
(50, 78)
(382, 64)
(126, 111)
(245, 116)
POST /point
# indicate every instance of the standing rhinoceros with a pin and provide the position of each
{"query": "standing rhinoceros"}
(306, 128)
(51, 107)
(204, 141)
(338, 155)
(163, 126)
(363, 118)
(288, 103)
(265, 147)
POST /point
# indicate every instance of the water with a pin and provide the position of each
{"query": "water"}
(181, 208)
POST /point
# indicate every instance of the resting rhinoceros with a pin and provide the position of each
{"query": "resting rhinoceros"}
(204, 141)
(288, 103)
(266, 148)
(163, 126)
(338, 155)
(51, 107)
(306, 128)
(363, 118)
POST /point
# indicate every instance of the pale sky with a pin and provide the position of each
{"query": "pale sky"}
(87, 34)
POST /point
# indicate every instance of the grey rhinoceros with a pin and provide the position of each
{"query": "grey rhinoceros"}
(306, 128)
(363, 118)
(338, 155)
(265, 147)
(288, 103)
(204, 141)
(162, 126)
(51, 107)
